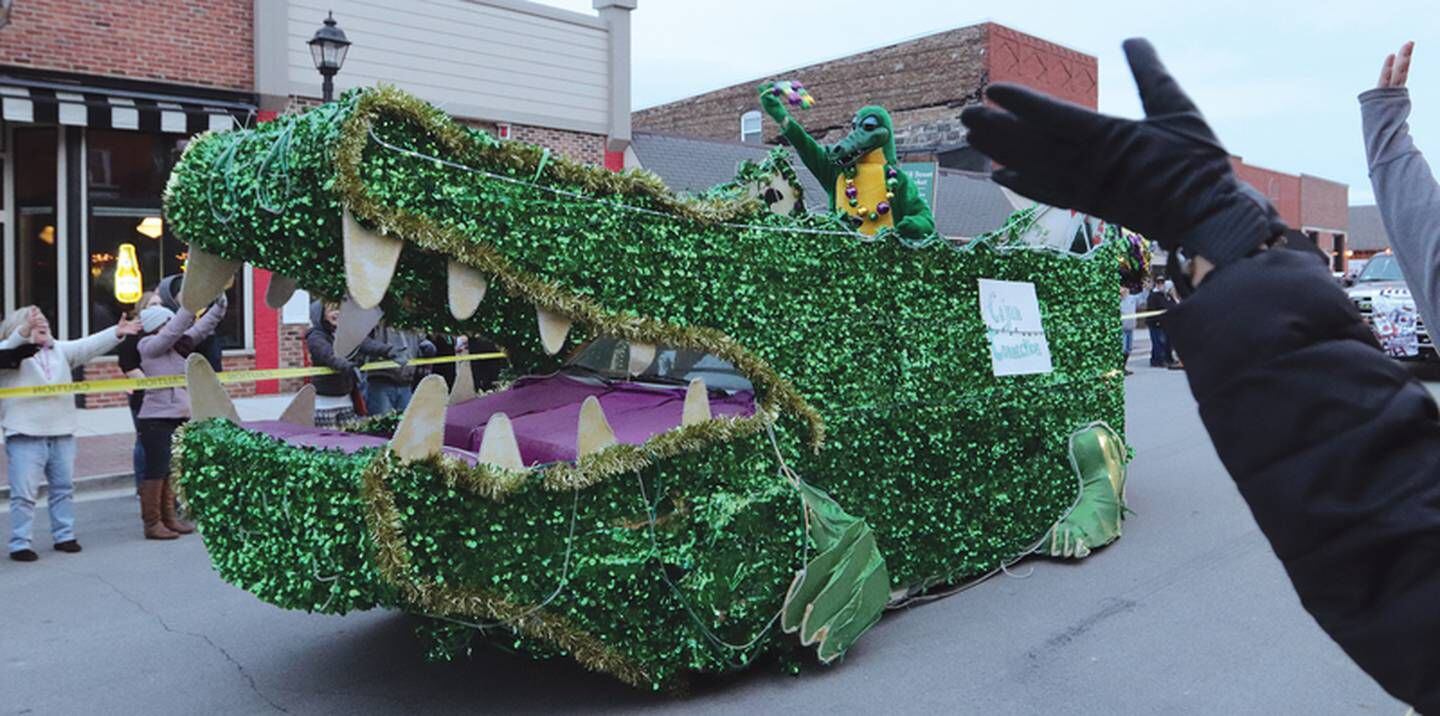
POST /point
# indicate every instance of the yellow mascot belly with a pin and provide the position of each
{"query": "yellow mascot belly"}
(863, 192)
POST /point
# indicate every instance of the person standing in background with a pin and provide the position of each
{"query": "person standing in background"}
(128, 357)
(40, 431)
(1130, 304)
(1161, 299)
(335, 393)
(170, 338)
(389, 389)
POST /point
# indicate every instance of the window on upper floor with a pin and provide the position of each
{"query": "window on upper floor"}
(750, 127)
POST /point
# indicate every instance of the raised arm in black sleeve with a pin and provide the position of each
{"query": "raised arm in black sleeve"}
(1337, 451)
(1335, 448)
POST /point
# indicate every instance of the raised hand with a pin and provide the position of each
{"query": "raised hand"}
(127, 326)
(1165, 176)
(1397, 67)
(771, 104)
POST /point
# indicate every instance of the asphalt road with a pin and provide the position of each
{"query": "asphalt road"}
(1188, 613)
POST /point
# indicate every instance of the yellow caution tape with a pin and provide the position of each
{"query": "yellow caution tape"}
(229, 376)
(1142, 314)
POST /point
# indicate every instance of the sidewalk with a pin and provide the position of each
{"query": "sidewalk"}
(106, 437)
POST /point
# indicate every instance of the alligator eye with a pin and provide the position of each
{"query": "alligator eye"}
(870, 124)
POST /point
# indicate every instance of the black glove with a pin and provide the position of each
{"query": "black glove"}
(10, 358)
(1165, 176)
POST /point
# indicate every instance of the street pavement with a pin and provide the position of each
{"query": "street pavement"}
(1188, 613)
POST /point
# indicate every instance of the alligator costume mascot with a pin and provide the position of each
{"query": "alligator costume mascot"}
(728, 433)
(861, 172)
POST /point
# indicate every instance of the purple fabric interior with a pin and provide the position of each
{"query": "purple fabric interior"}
(545, 412)
(322, 439)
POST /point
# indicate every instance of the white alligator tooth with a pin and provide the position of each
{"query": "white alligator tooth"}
(594, 433)
(207, 396)
(498, 447)
(697, 404)
(641, 356)
(464, 387)
(421, 432)
(301, 410)
(206, 276)
(553, 330)
(467, 289)
(370, 260)
(279, 292)
(355, 324)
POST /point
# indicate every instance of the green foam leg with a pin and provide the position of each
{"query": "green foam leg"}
(861, 613)
(810, 581)
(1097, 453)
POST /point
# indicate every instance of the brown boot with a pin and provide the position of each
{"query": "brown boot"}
(168, 515)
(150, 494)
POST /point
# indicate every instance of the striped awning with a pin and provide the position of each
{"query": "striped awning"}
(41, 102)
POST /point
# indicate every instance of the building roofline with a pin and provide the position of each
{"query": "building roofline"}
(708, 140)
(983, 23)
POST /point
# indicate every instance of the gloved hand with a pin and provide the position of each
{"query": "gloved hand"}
(427, 348)
(1165, 176)
(10, 358)
(772, 104)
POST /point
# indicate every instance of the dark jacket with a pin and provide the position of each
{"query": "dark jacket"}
(1335, 447)
(1158, 300)
(320, 340)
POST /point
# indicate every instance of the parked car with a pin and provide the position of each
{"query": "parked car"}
(1384, 301)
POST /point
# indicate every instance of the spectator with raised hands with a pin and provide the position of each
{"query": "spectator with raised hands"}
(1405, 191)
(40, 430)
(1335, 447)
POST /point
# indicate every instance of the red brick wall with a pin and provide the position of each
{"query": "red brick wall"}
(1282, 189)
(923, 76)
(196, 42)
(292, 353)
(1013, 56)
(579, 146)
(1324, 203)
(107, 368)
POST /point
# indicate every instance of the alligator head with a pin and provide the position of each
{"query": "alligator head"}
(870, 129)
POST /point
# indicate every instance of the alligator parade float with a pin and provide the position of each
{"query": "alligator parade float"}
(732, 430)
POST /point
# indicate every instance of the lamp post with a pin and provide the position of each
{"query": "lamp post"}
(327, 49)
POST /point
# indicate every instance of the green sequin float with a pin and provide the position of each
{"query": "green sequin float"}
(883, 456)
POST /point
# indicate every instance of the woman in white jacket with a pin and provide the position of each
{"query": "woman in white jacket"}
(40, 430)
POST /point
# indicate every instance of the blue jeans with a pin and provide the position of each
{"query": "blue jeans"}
(29, 457)
(1160, 353)
(1129, 344)
(382, 396)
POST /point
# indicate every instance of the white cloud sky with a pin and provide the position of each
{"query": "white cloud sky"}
(1277, 79)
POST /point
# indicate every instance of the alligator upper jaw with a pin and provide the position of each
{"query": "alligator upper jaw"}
(421, 432)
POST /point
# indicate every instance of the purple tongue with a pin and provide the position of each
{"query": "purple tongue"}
(545, 412)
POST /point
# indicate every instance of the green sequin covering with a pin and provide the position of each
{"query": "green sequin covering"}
(871, 366)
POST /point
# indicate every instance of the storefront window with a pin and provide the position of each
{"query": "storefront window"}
(127, 173)
(36, 280)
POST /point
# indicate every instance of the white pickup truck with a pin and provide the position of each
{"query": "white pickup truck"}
(1382, 297)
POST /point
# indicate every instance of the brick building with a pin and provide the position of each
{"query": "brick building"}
(927, 81)
(924, 83)
(97, 100)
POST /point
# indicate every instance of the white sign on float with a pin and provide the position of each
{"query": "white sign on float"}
(1012, 324)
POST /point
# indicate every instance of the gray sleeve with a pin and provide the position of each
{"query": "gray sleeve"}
(1407, 195)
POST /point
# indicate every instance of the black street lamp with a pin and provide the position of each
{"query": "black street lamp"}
(327, 49)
